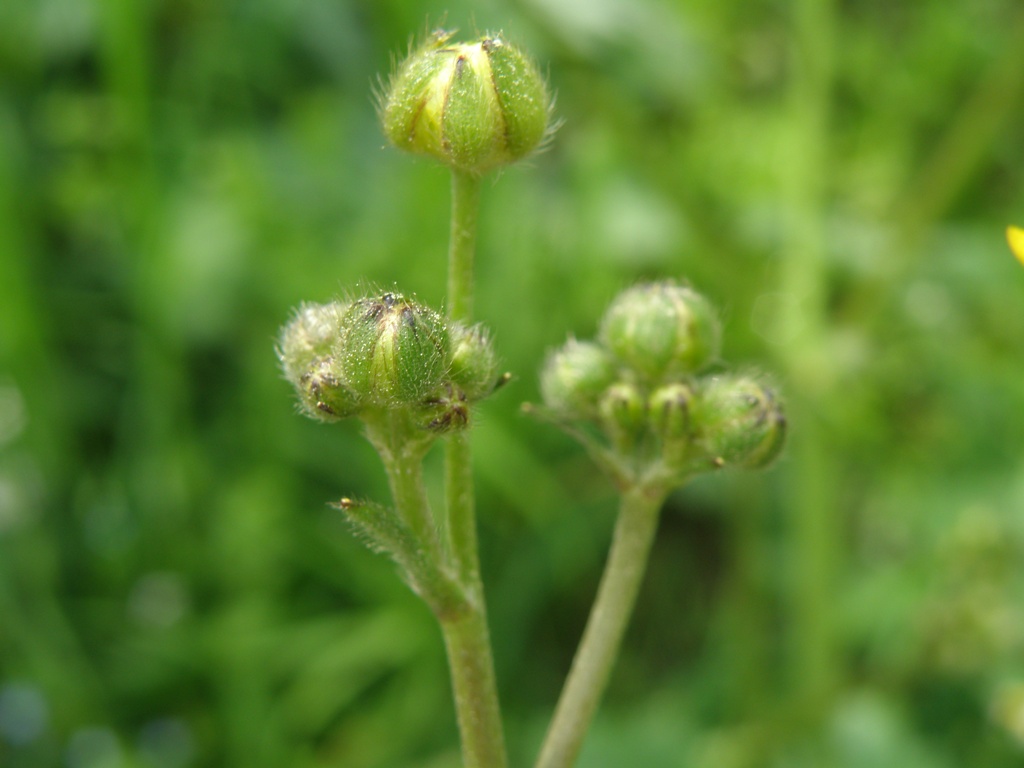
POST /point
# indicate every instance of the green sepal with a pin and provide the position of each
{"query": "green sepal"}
(473, 126)
(412, 106)
(523, 96)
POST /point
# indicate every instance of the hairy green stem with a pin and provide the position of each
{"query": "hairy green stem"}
(631, 545)
(476, 695)
(462, 539)
(466, 637)
(814, 521)
(462, 244)
(403, 461)
(463, 622)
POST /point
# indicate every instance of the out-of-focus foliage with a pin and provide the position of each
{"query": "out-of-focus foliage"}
(176, 175)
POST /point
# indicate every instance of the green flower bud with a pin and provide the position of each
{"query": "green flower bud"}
(304, 349)
(310, 335)
(622, 412)
(474, 106)
(474, 366)
(740, 422)
(574, 377)
(447, 410)
(661, 330)
(393, 351)
(323, 395)
(668, 417)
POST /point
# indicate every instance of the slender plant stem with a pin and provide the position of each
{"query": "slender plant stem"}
(403, 461)
(476, 695)
(631, 545)
(466, 636)
(461, 506)
(814, 523)
(463, 623)
(462, 539)
(462, 245)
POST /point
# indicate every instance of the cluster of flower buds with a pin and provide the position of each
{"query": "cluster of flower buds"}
(473, 106)
(386, 352)
(638, 384)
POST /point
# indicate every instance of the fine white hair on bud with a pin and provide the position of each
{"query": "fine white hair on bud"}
(661, 329)
(740, 421)
(387, 352)
(668, 414)
(574, 378)
(306, 350)
(474, 106)
(622, 412)
(474, 365)
(310, 335)
(393, 350)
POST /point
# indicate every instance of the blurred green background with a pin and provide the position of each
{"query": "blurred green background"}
(176, 175)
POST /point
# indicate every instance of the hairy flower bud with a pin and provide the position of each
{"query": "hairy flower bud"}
(668, 418)
(474, 366)
(661, 330)
(310, 335)
(474, 106)
(740, 421)
(574, 377)
(305, 349)
(622, 415)
(446, 410)
(323, 394)
(393, 351)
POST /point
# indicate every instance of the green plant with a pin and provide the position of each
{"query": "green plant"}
(638, 398)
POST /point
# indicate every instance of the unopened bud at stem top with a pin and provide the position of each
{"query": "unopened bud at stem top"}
(661, 329)
(474, 106)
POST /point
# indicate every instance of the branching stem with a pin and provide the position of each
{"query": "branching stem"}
(627, 561)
